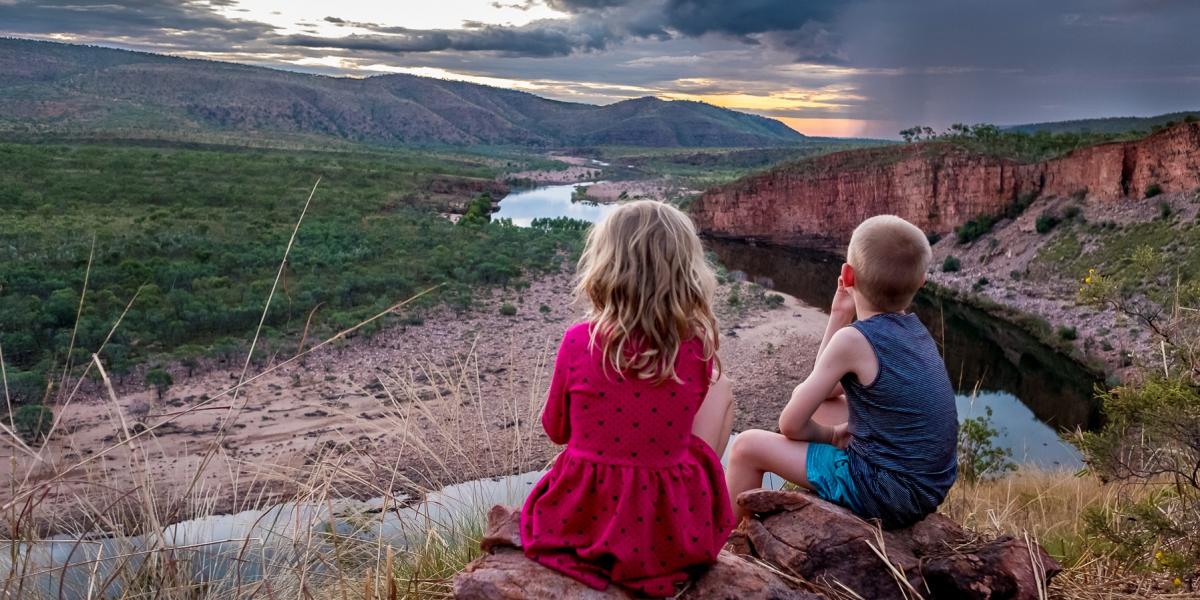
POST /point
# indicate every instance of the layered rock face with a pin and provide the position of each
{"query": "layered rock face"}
(937, 186)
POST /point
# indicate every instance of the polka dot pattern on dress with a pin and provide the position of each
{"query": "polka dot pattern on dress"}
(628, 501)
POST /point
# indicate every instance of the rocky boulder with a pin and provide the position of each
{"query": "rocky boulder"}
(829, 546)
(798, 546)
(503, 572)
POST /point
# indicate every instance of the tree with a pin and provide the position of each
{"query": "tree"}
(160, 379)
(978, 455)
(33, 422)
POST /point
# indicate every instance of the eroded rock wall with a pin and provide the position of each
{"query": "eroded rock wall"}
(937, 186)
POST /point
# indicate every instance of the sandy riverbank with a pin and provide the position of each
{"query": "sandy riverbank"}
(410, 408)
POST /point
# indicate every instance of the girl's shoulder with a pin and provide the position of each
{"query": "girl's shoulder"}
(577, 336)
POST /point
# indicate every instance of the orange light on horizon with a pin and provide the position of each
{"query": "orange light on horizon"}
(828, 127)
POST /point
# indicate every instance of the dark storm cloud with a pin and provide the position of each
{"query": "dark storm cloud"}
(938, 61)
(127, 18)
(894, 61)
(537, 39)
(745, 17)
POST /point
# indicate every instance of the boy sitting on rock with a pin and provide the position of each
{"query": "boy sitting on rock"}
(874, 427)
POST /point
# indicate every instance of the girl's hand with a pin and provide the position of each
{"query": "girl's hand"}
(841, 435)
(842, 309)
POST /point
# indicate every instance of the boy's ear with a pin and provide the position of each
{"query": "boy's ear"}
(847, 275)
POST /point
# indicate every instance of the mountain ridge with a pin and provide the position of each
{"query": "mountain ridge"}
(1105, 124)
(53, 86)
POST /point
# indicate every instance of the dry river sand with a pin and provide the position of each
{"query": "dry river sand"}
(408, 409)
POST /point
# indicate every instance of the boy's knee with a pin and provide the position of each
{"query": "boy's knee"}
(744, 449)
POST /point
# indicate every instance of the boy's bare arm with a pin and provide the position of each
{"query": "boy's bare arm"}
(842, 354)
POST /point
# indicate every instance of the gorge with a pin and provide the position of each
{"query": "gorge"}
(937, 186)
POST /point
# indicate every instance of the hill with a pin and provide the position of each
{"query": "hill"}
(1106, 125)
(51, 87)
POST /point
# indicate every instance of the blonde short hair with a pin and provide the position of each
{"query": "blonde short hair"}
(890, 257)
(648, 287)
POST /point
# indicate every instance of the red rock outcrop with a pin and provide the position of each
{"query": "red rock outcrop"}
(504, 572)
(797, 546)
(935, 185)
(828, 545)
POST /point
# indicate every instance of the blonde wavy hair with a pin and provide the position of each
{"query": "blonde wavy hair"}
(648, 288)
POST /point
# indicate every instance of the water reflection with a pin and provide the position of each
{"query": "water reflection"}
(1016, 374)
(523, 206)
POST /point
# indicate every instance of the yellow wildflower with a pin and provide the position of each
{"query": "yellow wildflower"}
(1178, 582)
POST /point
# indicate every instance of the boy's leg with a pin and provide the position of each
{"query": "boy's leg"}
(715, 417)
(833, 411)
(755, 452)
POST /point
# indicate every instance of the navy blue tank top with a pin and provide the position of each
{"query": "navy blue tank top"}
(904, 425)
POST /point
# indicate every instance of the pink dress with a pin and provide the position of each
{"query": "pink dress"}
(635, 499)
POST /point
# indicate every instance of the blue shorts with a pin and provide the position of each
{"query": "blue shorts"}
(828, 470)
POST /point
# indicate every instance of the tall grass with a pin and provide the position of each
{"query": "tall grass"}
(316, 543)
(144, 541)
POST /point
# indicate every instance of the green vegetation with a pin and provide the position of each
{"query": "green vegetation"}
(1067, 333)
(33, 421)
(1153, 190)
(1047, 221)
(191, 240)
(1012, 144)
(1111, 125)
(160, 379)
(983, 224)
(1151, 439)
(701, 168)
(978, 455)
(951, 264)
(508, 309)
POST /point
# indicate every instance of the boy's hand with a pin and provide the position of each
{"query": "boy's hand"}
(842, 309)
(841, 435)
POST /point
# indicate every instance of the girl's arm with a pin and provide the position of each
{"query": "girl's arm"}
(556, 417)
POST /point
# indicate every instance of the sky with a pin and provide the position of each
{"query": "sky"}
(846, 68)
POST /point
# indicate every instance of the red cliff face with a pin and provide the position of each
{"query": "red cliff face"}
(936, 186)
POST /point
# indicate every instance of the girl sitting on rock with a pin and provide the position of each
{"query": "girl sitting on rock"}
(638, 496)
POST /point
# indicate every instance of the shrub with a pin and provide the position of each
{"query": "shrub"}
(951, 264)
(1067, 333)
(773, 300)
(544, 309)
(735, 294)
(160, 380)
(33, 421)
(508, 310)
(1151, 437)
(978, 455)
(933, 237)
(975, 228)
(1046, 222)
(1164, 210)
(1073, 212)
(1153, 190)
(1014, 275)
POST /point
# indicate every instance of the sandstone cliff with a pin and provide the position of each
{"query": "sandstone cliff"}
(935, 185)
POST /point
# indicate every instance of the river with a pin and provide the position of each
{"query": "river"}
(1035, 392)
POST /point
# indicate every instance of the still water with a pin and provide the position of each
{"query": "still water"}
(522, 207)
(1035, 393)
